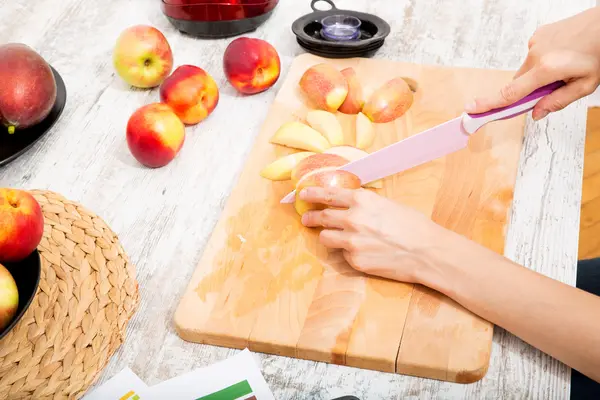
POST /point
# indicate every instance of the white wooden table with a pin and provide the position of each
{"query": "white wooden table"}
(164, 217)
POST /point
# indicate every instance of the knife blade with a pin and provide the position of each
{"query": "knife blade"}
(434, 143)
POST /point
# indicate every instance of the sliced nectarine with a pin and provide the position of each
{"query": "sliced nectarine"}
(389, 102)
(355, 99)
(300, 136)
(326, 178)
(316, 161)
(365, 132)
(352, 153)
(281, 169)
(328, 125)
(325, 86)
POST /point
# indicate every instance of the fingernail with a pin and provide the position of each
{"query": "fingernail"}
(302, 194)
(540, 115)
(471, 106)
(304, 219)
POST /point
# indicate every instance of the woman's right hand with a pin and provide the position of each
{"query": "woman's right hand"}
(567, 50)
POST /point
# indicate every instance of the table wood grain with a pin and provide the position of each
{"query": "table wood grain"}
(164, 217)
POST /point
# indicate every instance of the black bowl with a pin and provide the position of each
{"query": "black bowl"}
(12, 146)
(26, 274)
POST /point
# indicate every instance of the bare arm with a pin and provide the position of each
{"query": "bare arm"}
(554, 317)
(380, 237)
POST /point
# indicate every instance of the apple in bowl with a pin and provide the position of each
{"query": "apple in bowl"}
(21, 225)
(9, 297)
(251, 65)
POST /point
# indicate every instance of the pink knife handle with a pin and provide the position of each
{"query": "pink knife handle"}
(472, 122)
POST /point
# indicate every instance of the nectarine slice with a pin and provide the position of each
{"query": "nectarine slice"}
(314, 162)
(281, 169)
(355, 99)
(365, 132)
(299, 136)
(327, 178)
(351, 153)
(389, 102)
(328, 125)
(325, 86)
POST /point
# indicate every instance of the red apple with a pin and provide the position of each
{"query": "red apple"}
(21, 224)
(251, 65)
(191, 92)
(142, 56)
(27, 87)
(155, 135)
(9, 297)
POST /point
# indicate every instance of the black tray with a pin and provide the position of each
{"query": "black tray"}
(307, 29)
(26, 274)
(13, 146)
(337, 53)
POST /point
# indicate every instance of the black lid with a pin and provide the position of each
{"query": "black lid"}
(373, 31)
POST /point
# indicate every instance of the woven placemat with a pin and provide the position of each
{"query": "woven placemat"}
(87, 294)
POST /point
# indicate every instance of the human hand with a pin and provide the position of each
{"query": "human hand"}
(567, 50)
(377, 236)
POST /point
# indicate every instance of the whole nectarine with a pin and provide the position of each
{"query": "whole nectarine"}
(191, 92)
(142, 56)
(27, 87)
(251, 65)
(155, 135)
(21, 224)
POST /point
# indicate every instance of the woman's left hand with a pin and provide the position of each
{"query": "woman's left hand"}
(377, 236)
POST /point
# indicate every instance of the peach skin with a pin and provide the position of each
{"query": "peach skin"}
(21, 224)
(389, 102)
(251, 65)
(324, 86)
(355, 99)
(155, 135)
(191, 92)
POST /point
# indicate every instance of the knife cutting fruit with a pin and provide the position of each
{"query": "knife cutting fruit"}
(435, 142)
(381, 237)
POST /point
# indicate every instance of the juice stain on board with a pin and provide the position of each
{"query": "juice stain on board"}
(266, 252)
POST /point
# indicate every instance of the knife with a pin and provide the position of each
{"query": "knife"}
(435, 142)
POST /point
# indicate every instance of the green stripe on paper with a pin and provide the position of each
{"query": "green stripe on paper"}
(231, 393)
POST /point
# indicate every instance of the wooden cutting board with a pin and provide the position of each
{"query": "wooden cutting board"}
(264, 281)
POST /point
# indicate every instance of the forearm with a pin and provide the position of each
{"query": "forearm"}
(556, 318)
